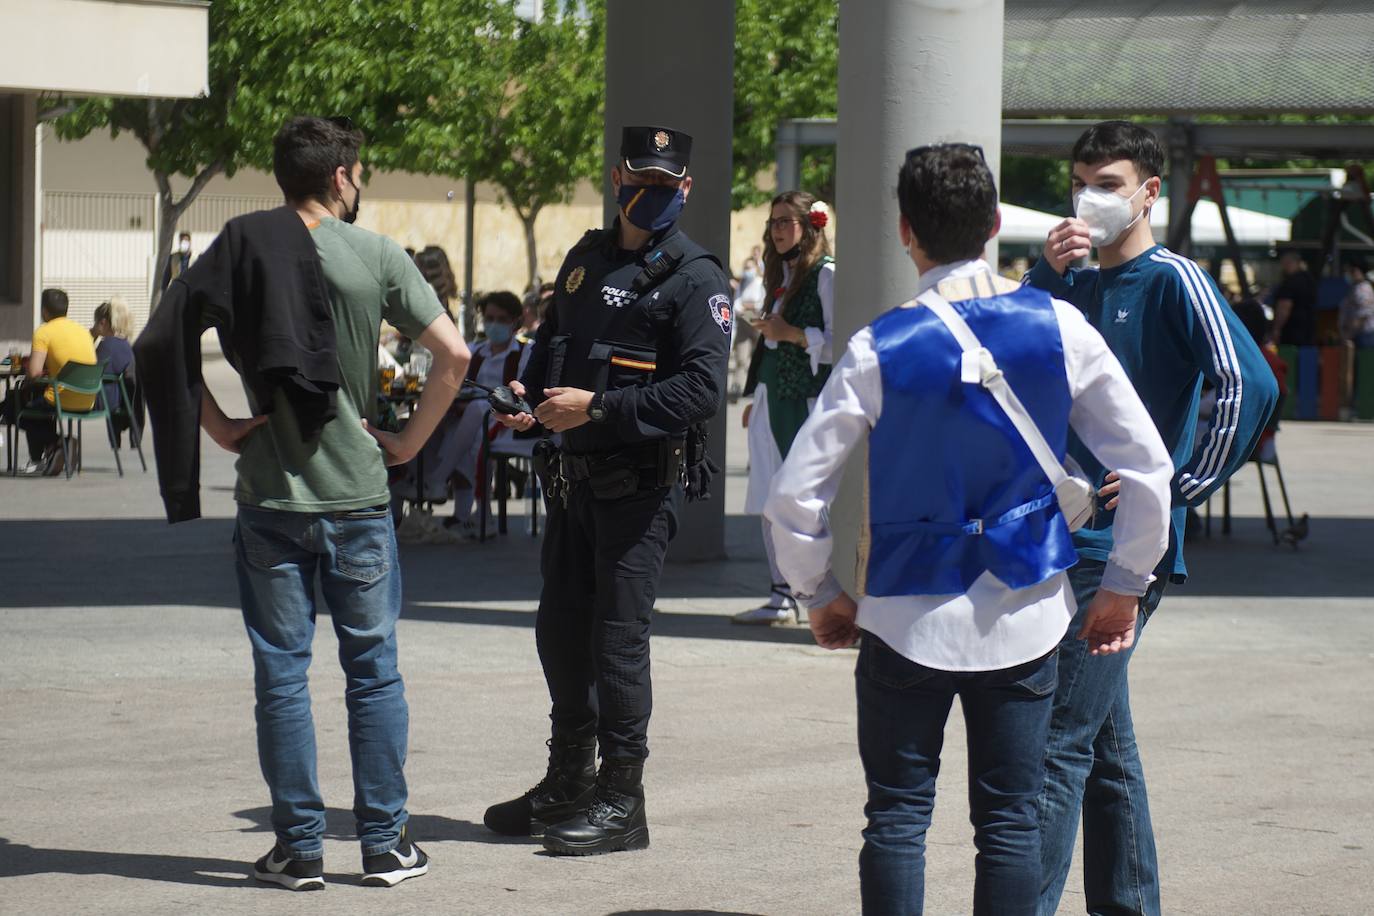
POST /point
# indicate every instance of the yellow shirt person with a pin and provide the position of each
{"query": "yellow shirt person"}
(64, 341)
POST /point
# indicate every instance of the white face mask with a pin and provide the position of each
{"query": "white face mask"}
(1108, 215)
(184, 246)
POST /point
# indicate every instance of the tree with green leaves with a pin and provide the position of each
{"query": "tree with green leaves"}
(786, 66)
(542, 131)
(379, 62)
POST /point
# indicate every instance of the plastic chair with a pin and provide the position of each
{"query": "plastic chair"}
(78, 378)
(127, 415)
(1297, 530)
(501, 452)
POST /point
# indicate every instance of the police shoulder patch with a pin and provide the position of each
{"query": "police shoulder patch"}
(575, 278)
(719, 305)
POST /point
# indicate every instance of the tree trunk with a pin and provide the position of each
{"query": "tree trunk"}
(169, 215)
(531, 252)
(167, 229)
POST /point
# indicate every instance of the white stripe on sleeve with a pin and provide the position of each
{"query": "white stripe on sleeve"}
(1222, 434)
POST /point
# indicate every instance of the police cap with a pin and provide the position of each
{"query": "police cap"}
(658, 148)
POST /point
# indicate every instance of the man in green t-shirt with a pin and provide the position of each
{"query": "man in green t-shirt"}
(321, 507)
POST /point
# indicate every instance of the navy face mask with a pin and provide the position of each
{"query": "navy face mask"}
(651, 207)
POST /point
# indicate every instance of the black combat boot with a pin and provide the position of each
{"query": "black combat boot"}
(614, 820)
(565, 788)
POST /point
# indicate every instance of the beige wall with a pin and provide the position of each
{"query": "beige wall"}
(154, 48)
(415, 210)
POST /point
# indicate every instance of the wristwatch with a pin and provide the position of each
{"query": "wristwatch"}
(596, 410)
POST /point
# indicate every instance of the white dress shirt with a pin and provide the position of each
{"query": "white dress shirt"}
(990, 626)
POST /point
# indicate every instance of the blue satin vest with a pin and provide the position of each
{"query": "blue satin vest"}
(953, 490)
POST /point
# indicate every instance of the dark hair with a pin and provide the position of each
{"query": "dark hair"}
(1113, 140)
(54, 302)
(506, 301)
(1355, 262)
(1251, 314)
(184, 235)
(814, 244)
(306, 152)
(434, 267)
(949, 198)
(545, 289)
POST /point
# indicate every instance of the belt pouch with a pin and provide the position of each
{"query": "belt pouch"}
(613, 481)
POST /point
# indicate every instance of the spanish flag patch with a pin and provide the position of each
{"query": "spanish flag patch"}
(633, 363)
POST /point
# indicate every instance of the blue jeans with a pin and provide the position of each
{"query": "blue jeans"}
(1092, 765)
(902, 711)
(354, 553)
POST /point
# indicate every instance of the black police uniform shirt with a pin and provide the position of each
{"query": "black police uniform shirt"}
(659, 357)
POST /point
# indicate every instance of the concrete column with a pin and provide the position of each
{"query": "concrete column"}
(912, 72)
(681, 78)
(19, 303)
(788, 154)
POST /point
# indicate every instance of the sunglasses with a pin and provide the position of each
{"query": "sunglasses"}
(922, 150)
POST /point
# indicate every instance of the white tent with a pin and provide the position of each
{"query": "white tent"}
(1022, 225)
(1250, 226)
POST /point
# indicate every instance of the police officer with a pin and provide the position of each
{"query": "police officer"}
(628, 366)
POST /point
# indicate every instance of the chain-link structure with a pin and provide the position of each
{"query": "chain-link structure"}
(1183, 57)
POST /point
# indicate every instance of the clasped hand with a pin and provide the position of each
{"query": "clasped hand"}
(562, 409)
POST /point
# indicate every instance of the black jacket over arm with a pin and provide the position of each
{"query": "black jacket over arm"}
(262, 287)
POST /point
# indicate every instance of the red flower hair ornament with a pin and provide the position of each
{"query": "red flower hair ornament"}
(819, 215)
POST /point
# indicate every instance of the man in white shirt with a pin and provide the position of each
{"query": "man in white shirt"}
(964, 547)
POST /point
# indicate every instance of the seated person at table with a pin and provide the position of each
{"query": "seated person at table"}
(56, 342)
(111, 327)
(451, 455)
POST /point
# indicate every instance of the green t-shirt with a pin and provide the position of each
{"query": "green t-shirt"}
(370, 278)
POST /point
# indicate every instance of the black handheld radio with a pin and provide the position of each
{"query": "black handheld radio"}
(503, 400)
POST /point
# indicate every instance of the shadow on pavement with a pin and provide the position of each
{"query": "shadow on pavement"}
(666, 623)
(16, 859)
(1332, 563)
(147, 563)
(340, 825)
(680, 913)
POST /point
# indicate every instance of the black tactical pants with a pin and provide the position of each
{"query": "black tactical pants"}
(601, 564)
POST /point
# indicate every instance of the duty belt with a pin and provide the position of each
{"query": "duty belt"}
(580, 467)
(647, 455)
(612, 475)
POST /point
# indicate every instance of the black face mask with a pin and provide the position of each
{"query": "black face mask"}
(351, 215)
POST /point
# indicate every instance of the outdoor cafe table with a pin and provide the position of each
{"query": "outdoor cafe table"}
(13, 375)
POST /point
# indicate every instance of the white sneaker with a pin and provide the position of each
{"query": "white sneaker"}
(436, 533)
(413, 529)
(765, 615)
(467, 530)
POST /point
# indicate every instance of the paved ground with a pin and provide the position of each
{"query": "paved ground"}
(130, 781)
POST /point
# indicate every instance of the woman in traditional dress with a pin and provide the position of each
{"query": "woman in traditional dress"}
(791, 360)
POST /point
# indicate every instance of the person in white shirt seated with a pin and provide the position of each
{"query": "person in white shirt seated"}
(450, 458)
(964, 544)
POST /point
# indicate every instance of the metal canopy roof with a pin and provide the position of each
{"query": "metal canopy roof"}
(1168, 57)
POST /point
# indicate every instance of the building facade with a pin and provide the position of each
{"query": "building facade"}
(50, 49)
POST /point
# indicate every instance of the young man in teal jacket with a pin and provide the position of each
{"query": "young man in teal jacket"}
(1170, 327)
